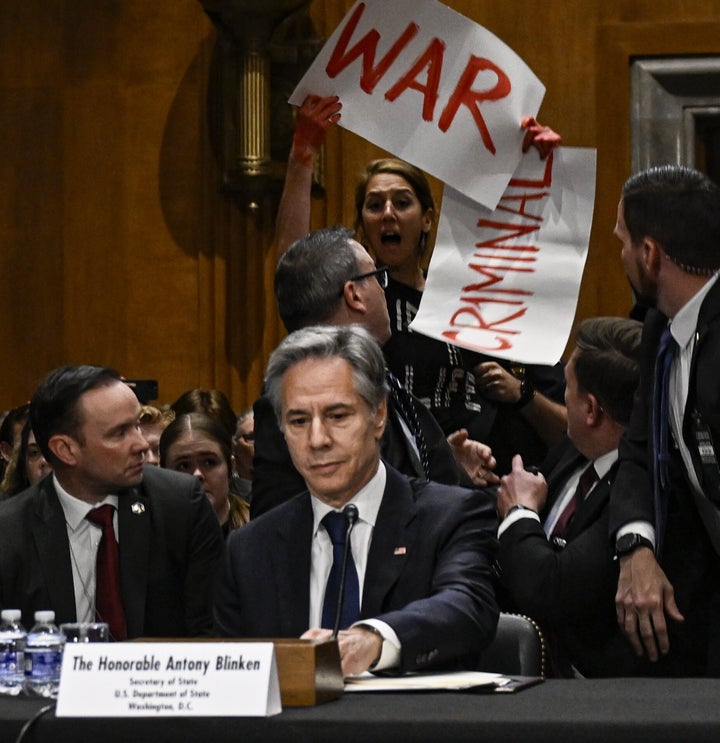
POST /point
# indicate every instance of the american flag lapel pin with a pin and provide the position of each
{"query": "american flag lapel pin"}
(400, 550)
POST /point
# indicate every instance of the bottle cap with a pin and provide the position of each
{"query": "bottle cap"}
(45, 616)
(11, 615)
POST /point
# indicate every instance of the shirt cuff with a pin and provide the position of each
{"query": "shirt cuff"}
(521, 513)
(643, 528)
(390, 653)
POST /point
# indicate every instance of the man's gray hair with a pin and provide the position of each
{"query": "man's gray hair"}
(310, 276)
(349, 342)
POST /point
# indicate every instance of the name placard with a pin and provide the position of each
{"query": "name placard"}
(169, 679)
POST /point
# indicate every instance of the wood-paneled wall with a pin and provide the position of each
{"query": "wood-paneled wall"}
(117, 243)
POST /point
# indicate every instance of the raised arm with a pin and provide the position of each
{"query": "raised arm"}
(313, 119)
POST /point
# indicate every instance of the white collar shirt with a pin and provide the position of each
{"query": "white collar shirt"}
(84, 538)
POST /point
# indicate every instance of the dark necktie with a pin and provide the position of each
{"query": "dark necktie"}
(336, 526)
(406, 406)
(661, 428)
(108, 600)
(588, 478)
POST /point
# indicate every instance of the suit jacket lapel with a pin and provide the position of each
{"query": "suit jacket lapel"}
(290, 564)
(134, 522)
(589, 509)
(392, 542)
(708, 312)
(49, 532)
(569, 462)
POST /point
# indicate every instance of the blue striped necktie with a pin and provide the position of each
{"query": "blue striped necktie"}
(661, 428)
(336, 526)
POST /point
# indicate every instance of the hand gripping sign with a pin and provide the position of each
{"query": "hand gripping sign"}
(432, 87)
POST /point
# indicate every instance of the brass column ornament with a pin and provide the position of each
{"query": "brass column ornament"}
(246, 28)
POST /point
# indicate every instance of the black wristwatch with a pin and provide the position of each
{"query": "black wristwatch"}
(628, 543)
(527, 392)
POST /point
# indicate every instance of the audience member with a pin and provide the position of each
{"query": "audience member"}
(148, 570)
(26, 466)
(328, 278)
(664, 513)
(153, 421)
(199, 445)
(504, 405)
(244, 449)
(10, 430)
(556, 560)
(213, 403)
(418, 591)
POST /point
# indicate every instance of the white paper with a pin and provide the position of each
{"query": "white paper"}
(169, 679)
(506, 282)
(396, 74)
(425, 681)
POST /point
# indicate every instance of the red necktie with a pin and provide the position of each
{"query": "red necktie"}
(108, 601)
(588, 478)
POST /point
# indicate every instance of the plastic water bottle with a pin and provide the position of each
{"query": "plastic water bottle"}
(12, 652)
(43, 656)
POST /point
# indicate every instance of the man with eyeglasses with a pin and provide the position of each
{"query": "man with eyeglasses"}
(327, 278)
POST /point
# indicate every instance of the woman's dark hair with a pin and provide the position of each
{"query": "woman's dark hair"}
(213, 403)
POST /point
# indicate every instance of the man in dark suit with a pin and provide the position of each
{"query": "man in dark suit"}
(555, 558)
(664, 513)
(161, 528)
(328, 278)
(418, 591)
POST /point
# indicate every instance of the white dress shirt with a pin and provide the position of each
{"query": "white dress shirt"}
(84, 538)
(367, 500)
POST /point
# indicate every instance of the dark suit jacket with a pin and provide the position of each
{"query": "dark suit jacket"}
(169, 554)
(276, 480)
(632, 497)
(437, 595)
(687, 556)
(570, 592)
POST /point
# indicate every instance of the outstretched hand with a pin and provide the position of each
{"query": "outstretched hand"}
(475, 458)
(542, 138)
(312, 121)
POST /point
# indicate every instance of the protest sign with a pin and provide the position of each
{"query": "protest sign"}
(505, 282)
(432, 87)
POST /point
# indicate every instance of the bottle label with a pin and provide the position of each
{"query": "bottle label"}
(10, 662)
(42, 664)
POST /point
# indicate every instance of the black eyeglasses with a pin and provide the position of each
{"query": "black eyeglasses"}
(381, 274)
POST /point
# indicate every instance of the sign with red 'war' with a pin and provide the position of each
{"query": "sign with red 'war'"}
(432, 87)
(505, 282)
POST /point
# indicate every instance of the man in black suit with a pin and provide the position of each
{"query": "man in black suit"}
(328, 278)
(418, 591)
(664, 509)
(555, 558)
(161, 529)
